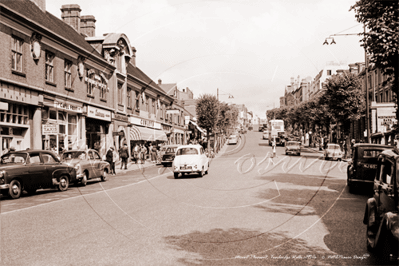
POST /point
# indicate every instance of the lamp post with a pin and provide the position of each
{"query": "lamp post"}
(366, 77)
(230, 96)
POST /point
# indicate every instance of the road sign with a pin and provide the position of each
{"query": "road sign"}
(274, 133)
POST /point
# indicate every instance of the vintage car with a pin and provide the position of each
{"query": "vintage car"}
(333, 151)
(293, 147)
(30, 170)
(381, 214)
(363, 165)
(265, 134)
(88, 165)
(169, 155)
(233, 139)
(190, 159)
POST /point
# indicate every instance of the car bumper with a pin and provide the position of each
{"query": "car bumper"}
(4, 186)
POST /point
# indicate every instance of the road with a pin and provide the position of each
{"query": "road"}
(250, 209)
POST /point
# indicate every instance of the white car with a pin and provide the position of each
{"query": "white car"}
(190, 159)
(233, 139)
(333, 151)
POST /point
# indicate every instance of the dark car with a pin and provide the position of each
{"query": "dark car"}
(381, 214)
(88, 165)
(363, 165)
(169, 155)
(30, 170)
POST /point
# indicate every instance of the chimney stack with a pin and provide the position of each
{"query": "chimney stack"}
(88, 25)
(133, 59)
(159, 81)
(41, 4)
(71, 15)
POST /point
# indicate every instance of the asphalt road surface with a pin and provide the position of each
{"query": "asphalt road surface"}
(250, 209)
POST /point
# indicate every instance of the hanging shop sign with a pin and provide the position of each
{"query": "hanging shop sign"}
(49, 129)
(98, 113)
(67, 107)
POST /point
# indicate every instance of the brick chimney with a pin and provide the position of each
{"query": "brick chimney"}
(159, 81)
(41, 4)
(88, 25)
(70, 14)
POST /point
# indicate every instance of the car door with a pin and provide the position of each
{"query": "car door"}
(91, 165)
(37, 171)
(50, 164)
(386, 200)
(97, 163)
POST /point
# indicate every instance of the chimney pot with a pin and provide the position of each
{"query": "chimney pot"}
(88, 25)
(70, 14)
(159, 81)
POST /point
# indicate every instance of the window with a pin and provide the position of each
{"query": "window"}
(129, 98)
(120, 93)
(103, 91)
(137, 104)
(34, 158)
(49, 67)
(48, 158)
(329, 72)
(16, 54)
(153, 106)
(67, 74)
(90, 84)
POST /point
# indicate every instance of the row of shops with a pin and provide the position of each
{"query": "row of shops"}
(31, 120)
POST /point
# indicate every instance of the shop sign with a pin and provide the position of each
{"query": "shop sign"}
(116, 133)
(50, 129)
(3, 106)
(121, 118)
(172, 112)
(144, 122)
(98, 113)
(67, 107)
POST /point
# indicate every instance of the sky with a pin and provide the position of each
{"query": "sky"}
(248, 49)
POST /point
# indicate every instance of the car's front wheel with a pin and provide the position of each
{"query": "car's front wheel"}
(63, 184)
(176, 175)
(104, 175)
(83, 182)
(202, 172)
(15, 189)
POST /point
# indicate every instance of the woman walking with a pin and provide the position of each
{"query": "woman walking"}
(109, 157)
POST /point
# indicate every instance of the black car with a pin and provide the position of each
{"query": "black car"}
(363, 165)
(381, 214)
(30, 170)
(169, 155)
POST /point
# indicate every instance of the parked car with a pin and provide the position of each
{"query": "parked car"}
(30, 170)
(233, 139)
(333, 151)
(88, 165)
(265, 134)
(381, 214)
(190, 159)
(363, 165)
(293, 147)
(169, 155)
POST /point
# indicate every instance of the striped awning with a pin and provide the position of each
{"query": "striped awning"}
(147, 134)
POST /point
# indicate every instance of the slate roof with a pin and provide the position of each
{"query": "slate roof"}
(30, 11)
(167, 87)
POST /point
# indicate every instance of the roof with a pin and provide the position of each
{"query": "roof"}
(373, 145)
(167, 87)
(33, 15)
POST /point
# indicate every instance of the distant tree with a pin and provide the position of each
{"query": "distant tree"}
(343, 99)
(207, 109)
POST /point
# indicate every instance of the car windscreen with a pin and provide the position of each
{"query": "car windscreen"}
(292, 144)
(74, 155)
(187, 151)
(333, 147)
(17, 158)
(368, 155)
(171, 150)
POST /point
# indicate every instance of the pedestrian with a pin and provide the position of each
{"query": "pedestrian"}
(124, 155)
(154, 154)
(136, 153)
(109, 157)
(143, 154)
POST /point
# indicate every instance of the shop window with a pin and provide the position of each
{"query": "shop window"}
(49, 67)
(53, 114)
(72, 124)
(16, 114)
(67, 74)
(329, 72)
(17, 55)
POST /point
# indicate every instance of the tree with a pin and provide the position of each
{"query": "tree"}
(207, 109)
(381, 41)
(344, 99)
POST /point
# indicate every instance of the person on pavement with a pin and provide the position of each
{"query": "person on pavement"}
(124, 154)
(109, 157)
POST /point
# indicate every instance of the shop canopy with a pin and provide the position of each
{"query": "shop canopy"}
(195, 124)
(147, 134)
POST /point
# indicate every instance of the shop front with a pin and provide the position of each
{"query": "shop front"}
(383, 120)
(120, 130)
(98, 121)
(144, 131)
(61, 125)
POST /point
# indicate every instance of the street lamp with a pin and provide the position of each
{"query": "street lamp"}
(326, 41)
(230, 96)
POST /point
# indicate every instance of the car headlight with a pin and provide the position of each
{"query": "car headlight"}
(195, 166)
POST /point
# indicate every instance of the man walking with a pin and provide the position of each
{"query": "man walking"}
(124, 154)
(110, 159)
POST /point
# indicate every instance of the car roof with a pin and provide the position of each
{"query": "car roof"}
(372, 145)
(190, 146)
(293, 141)
(31, 151)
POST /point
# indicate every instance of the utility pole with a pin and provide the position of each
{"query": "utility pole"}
(367, 93)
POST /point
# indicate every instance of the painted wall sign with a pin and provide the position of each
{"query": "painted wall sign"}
(98, 113)
(67, 107)
(144, 122)
(50, 129)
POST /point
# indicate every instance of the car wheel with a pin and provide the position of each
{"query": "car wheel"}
(202, 172)
(206, 172)
(83, 182)
(176, 175)
(63, 184)
(371, 232)
(15, 189)
(104, 176)
(386, 246)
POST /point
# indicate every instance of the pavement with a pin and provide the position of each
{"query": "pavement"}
(131, 165)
